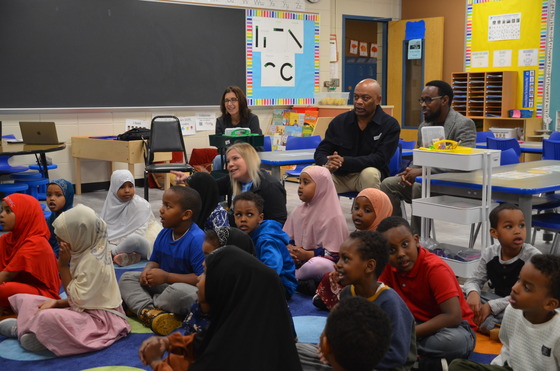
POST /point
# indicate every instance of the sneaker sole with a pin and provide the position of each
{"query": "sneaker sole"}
(163, 324)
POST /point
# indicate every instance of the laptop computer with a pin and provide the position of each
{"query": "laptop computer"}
(33, 132)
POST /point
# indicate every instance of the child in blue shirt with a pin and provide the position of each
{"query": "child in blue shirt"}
(162, 294)
(269, 238)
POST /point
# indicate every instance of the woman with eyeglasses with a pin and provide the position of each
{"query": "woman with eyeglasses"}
(235, 113)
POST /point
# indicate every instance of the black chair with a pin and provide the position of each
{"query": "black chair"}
(165, 136)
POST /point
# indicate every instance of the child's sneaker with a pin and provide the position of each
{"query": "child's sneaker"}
(159, 321)
(124, 259)
(8, 328)
(30, 343)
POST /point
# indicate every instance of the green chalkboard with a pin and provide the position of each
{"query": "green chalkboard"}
(118, 53)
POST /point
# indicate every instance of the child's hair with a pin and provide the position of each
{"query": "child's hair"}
(358, 333)
(393, 222)
(549, 266)
(252, 160)
(372, 246)
(189, 199)
(495, 213)
(250, 196)
(223, 236)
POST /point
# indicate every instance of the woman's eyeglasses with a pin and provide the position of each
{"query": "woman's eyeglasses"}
(428, 100)
(232, 100)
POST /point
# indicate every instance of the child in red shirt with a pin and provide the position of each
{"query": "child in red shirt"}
(444, 321)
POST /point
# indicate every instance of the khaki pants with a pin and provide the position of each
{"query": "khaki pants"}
(370, 177)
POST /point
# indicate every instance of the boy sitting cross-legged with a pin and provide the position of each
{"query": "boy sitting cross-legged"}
(530, 330)
(162, 294)
(444, 321)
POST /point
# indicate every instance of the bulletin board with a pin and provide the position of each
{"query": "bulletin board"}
(282, 57)
(510, 35)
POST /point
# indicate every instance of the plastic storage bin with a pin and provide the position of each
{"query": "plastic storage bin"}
(460, 268)
(505, 132)
(331, 98)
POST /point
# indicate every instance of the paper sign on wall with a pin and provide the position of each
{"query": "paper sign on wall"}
(479, 59)
(502, 58)
(353, 47)
(528, 57)
(131, 124)
(205, 122)
(363, 49)
(188, 125)
(373, 49)
(415, 49)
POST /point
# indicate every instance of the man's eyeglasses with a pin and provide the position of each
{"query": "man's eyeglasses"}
(428, 100)
(232, 100)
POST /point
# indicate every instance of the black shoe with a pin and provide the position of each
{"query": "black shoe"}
(307, 287)
(432, 364)
(318, 302)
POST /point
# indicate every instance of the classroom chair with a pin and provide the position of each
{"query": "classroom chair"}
(294, 142)
(550, 222)
(551, 149)
(36, 187)
(555, 135)
(267, 146)
(503, 143)
(406, 144)
(482, 135)
(165, 136)
(508, 157)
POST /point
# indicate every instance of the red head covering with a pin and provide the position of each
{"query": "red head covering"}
(26, 248)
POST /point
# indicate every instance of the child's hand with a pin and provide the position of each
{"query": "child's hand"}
(473, 300)
(156, 276)
(64, 254)
(152, 350)
(180, 177)
(484, 312)
(51, 303)
(299, 254)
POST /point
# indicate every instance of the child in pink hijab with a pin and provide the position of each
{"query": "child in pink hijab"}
(370, 207)
(317, 227)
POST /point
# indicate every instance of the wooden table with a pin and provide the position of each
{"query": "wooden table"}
(130, 152)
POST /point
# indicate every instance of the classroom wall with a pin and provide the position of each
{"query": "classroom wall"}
(91, 122)
(454, 13)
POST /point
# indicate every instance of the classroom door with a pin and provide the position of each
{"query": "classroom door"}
(364, 53)
(415, 56)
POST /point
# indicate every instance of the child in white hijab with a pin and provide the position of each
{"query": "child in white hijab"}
(131, 225)
(91, 318)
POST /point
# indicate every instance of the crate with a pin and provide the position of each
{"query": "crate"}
(331, 98)
(505, 132)
(449, 208)
(460, 268)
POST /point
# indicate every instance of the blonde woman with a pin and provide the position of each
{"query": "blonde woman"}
(243, 164)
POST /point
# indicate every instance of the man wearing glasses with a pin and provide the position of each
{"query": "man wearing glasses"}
(359, 144)
(436, 101)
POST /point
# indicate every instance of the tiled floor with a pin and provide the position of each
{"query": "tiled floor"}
(445, 232)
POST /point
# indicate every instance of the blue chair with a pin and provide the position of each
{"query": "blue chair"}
(551, 149)
(555, 135)
(294, 142)
(482, 135)
(503, 143)
(406, 144)
(548, 222)
(267, 146)
(35, 186)
(508, 157)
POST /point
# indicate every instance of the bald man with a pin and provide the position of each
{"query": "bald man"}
(359, 144)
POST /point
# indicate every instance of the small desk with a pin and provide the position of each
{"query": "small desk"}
(130, 152)
(18, 149)
(274, 159)
(519, 191)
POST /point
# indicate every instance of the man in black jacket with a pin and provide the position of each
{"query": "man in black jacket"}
(359, 144)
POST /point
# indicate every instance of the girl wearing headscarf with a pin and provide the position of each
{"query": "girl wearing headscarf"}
(27, 261)
(131, 225)
(212, 215)
(370, 207)
(92, 317)
(317, 227)
(60, 197)
(241, 335)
